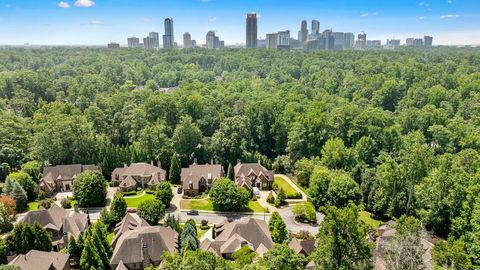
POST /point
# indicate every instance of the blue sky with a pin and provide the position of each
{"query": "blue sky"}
(75, 22)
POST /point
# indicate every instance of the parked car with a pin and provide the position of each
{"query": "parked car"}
(192, 213)
(179, 190)
(256, 191)
(132, 210)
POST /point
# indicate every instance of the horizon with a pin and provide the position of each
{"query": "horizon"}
(98, 22)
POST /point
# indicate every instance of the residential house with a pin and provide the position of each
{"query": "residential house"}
(60, 178)
(138, 175)
(41, 260)
(129, 222)
(197, 178)
(305, 247)
(386, 233)
(251, 175)
(231, 236)
(140, 245)
(59, 222)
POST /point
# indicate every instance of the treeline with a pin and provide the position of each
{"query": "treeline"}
(396, 131)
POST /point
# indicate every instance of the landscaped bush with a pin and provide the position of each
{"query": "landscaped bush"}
(204, 225)
(66, 203)
(305, 212)
(270, 198)
(297, 195)
(129, 193)
(254, 198)
(47, 203)
(149, 191)
(281, 197)
(41, 195)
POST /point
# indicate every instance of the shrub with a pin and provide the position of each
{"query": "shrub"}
(270, 198)
(281, 197)
(254, 198)
(129, 193)
(305, 212)
(204, 222)
(47, 203)
(90, 189)
(41, 195)
(66, 203)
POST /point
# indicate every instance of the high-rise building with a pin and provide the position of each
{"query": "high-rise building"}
(133, 42)
(427, 41)
(348, 40)
(113, 45)
(418, 42)
(168, 38)
(283, 40)
(187, 40)
(373, 44)
(410, 42)
(271, 41)
(251, 39)
(303, 32)
(339, 38)
(361, 40)
(155, 43)
(315, 27)
(148, 43)
(392, 43)
(328, 39)
(194, 43)
(213, 41)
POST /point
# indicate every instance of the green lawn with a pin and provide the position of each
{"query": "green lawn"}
(32, 206)
(281, 183)
(200, 232)
(110, 237)
(206, 205)
(370, 220)
(134, 202)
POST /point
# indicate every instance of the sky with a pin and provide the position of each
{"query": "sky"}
(98, 22)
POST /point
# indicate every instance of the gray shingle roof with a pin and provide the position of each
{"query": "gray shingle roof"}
(40, 260)
(194, 173)
(252, 169)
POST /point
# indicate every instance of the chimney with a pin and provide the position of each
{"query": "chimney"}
(124, 165)
(211, 161)
(259, 161)
(239, 161)
(151, 162)
(195, 161)
(146, 256)
(75, 207)
(65, 239)
(159, 164)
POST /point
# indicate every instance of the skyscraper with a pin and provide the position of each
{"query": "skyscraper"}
(315, 27)
(339, 38)
(187, 40)
(155, 43)
(427, 41)
(168, 38)
(361, 40)
(329, 40)
(133, 42)
(213, 41)
(283, 40)
(303, 32)
(251, 40)
(348, 40)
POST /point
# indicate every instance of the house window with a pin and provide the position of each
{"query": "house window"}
(67, 187)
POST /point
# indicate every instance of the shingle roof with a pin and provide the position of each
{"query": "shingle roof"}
(129, 248)
(302, 246)
(121, 266)
(128, 223)
(250, 230)
(40, 260)
(150, 174)
(66, 172)
(252, 169)
(194, 173)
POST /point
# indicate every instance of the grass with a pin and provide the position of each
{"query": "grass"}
(200, 232)
(281, 183)
(32, 206)
(134, 202)
(206, 205)
(132, 193)
(110, 237)
(294, 180)
(370, 220)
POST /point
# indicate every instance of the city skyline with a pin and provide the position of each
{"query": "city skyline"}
(96, 22)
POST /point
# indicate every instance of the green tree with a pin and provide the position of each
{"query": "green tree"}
(281, 198)
(175, 169)
(173, 222)
(25, 180)
(19, 195)
(244, 256)
(305, 212)
(118, 207)
(151, 210)
(230, 172)
(5, 224)
(188, 238)
(90, 258)
(26, 237)
(226, 196)
(99, 240)
(277, 228)
(74, 250)
(451, 254)
(335, 155)
(341, 241)
(281, 257)
(34, 169)
(186, 138)
(164, 193)
(90, 189)
(303, 170)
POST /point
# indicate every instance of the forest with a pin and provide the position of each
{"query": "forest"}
(397, 132)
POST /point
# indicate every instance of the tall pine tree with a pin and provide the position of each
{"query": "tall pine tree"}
(175, 169)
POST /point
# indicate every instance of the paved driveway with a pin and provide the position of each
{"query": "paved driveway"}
(294, 226)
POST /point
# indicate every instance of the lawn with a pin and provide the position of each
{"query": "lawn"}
(370, 220)
(32, 206)
(110, 237)
(206, 205)
(133, 202)
(289, 190)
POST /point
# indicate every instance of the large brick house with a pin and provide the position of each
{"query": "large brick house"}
(197, 178)
(138, 175)
(60, 178)
(251, 175)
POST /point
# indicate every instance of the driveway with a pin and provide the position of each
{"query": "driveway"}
(294, 226)
(263, 201)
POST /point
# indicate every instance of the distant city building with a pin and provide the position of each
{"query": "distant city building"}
(187, 40)
(339, 39)
(283, 40)
(251, 38)
(303, 32)
(392, 43)
(154, 42)
(427, 41)
(295, 44)
(148, 43)
(373, 44)
(418, 42)
(168, 38)
(348, 40)
(314, 44)
(262, 43)
(410, 42)
(271, 41)
(315, 27)
(194, 43)
(133, 42)
(113, 45)
(361, 40)
(328, 39)
(213, 41)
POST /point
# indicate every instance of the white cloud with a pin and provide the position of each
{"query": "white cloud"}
(364, 15)
(421, 18)
(147, 20)
(424, 4)
(214, 19)
(84, 3)
(99, 22)
(449, 16)
(450, 1)
(62, 4)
